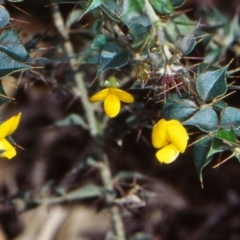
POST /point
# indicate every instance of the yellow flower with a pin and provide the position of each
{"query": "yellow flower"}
(6, 129)
(112, 97)
(171, 137)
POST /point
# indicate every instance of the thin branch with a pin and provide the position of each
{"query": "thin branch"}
(108, 183)
(80, 89)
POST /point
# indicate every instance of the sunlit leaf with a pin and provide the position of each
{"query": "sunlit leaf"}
(180, 109)
(12, 46)
(211, 84)
(8, 65)
(205, 119)
(4, 17)
(230, 118)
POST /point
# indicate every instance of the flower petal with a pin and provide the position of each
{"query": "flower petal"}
(159, 134)
(167, 154)
(123, 96)
(112, 104)
(10, 151)
(99, 96)
(9, 126)
(177, 134)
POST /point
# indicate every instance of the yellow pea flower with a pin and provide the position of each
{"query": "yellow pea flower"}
(171, 137)
(6, 129)
(112, 97)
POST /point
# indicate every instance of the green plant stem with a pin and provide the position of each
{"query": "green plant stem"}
(108, 183)
(81, 91)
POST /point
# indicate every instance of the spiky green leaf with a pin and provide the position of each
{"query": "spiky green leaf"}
(205, 119)
(200, 152)
(211, 84)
